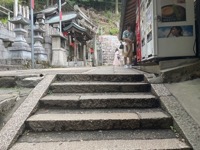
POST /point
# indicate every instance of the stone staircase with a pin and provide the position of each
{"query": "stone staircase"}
(99, 112)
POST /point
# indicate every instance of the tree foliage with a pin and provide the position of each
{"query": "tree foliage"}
(97, 4)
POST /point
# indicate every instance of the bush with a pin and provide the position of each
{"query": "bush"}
(114, 31)
(4, 20)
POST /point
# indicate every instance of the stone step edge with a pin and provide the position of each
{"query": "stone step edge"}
(159, 144)
(100, 121)
(140, 134)
(101, 77)
(100, 101)
(98, 96)
(98, 83)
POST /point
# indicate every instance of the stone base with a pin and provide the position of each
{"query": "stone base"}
(40, 54)
(20, 50)
(59, 57)
(20, 54)
(3, 61)
(24, 62)
(78, 64)
(11, 67)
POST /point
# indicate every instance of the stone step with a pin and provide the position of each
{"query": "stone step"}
(100, 77)
(98, 87)
(63, 136)
(158, 144)
(103, 100)
(98, 119)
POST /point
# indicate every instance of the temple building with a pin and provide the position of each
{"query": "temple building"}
(79, 34)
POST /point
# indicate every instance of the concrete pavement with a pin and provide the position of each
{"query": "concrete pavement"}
(188, 94)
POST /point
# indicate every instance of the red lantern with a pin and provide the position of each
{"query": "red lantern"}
(65, 33)
(91, 50)
(72, 44)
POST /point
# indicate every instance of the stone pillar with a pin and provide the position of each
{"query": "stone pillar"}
(48, 42)
(59, 57)
(20, 52)
(75, 53)
(27, 12)
(39, 52)
(24, 11)
(15, 8)
(84, 54)
(3, 53)
(95, 52)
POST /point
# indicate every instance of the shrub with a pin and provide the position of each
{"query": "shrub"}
(114, 31)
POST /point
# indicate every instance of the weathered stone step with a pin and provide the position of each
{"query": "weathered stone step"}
(98, 119)
(100, 77)
(103, 100)
(98, 87)
(31, 136)
(158, 144)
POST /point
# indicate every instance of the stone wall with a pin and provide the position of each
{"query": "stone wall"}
(108, 44)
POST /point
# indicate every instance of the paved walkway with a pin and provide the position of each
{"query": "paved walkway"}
(188, 94)
(84, 70)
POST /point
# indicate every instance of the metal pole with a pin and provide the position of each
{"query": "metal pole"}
(60, 16)
(32, 39)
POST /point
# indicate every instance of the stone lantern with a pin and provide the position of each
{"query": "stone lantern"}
(39, 52)
(59, 53)
(20, 52)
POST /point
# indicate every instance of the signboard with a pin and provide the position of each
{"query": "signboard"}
(173, 10)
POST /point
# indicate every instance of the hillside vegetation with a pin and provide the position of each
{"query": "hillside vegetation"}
(104, 13)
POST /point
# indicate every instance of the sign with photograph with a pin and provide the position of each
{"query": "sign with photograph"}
(173, 10)
(175, 31)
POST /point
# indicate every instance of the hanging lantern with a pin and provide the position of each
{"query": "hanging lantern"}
(72, 44)
(65, 33)
(91, 50)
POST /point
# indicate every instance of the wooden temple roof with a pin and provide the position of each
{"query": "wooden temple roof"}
(65, 18)
(80, 32)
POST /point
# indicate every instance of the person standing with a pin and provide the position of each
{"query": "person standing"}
(128, 37)
(116, 61)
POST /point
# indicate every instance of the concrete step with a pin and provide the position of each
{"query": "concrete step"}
(98, 87)
(100, 77)
(98, 119)
(158, 144)
(103, 100)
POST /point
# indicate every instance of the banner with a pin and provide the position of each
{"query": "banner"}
(32, 4)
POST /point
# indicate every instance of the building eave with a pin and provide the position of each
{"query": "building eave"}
(128, 15)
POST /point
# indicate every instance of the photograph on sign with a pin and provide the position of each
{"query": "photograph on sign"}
(175, 31)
